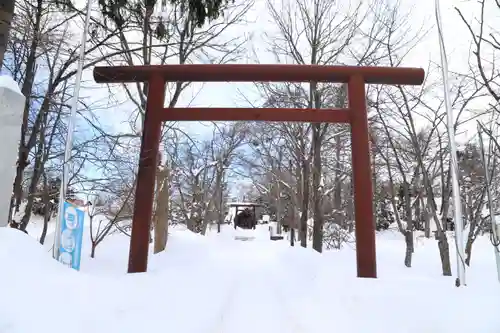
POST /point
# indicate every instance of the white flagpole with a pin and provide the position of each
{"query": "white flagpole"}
(69, 136)
(457, 204)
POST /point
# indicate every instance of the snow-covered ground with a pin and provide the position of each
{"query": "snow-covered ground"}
(215, 284)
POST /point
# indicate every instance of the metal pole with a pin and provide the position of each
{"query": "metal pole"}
(490, 202)
(69, 135)
(459, 239)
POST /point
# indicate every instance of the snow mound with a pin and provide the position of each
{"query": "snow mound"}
(20, 254)
(41, 295)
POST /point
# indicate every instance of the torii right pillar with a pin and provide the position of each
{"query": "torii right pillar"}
(362, 178)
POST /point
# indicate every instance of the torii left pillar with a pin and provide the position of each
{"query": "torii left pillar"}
(148, 161)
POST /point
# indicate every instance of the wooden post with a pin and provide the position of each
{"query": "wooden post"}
(362, 178)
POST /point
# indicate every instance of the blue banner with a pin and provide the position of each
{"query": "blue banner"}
(70, 250)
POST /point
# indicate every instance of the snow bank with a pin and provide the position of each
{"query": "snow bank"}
(40, 295)
(321, 288)
(21, 255)
(215, 284)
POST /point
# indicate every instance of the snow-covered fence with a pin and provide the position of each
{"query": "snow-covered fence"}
(11, 113)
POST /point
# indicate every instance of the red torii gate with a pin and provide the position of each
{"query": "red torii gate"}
(356, 115)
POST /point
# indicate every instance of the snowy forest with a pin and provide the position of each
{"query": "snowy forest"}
(299, 172)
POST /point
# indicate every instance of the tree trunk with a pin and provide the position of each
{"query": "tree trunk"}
(305, 203)
(375, 198)
(427, 219)
(47, 209)
(444, 253)
(409, 247)
(350, 207)
(409, 225)
(316, 179)
(220, 195)
(337, 192)
(467, 208)
(162, 210)
(474, 231)
(418, 211)
(6, 13)
(278, 204)
(193, 210)
(468, 249)
(443, 245)
(37, 172)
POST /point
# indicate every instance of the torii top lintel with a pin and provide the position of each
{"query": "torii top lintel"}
(258, 73)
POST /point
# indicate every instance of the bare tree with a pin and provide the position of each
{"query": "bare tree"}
(198, 176)
(323, 33)
(485, 47)
(153, 35)
(41, 56)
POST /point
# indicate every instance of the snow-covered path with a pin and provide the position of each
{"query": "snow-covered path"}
(255, 307)
(254, 302)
